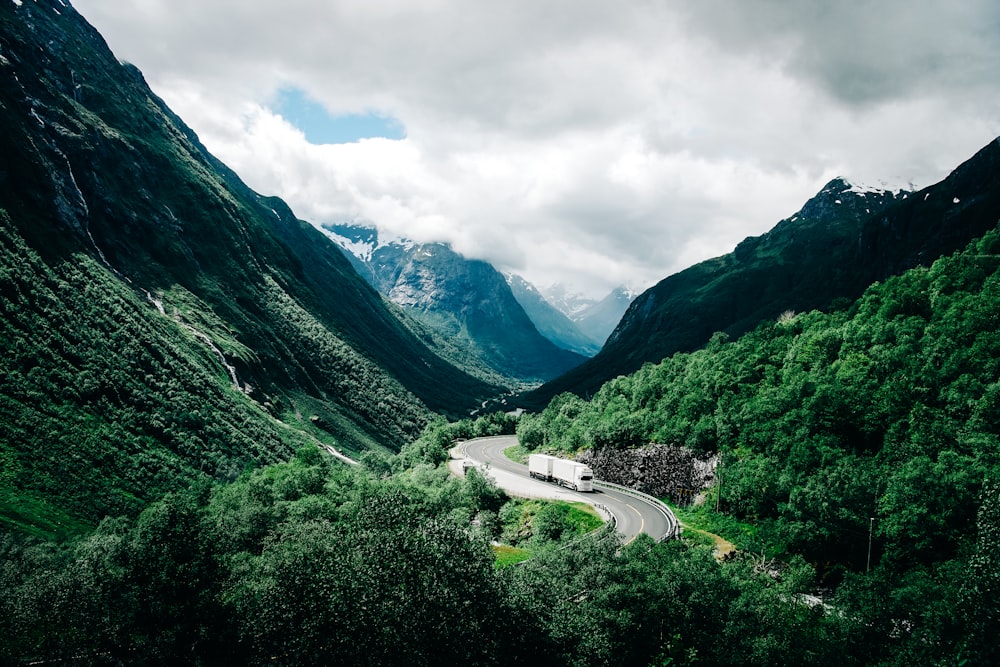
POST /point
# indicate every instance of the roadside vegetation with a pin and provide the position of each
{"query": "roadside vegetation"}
(533, 524)
(508, 555)
(391, 562)
(395, 562)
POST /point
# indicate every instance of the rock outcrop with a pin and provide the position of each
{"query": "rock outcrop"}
(467, 301)
(664, 471)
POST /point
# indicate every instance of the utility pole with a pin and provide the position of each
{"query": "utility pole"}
(871, 524)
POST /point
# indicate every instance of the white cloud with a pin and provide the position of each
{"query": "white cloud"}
(589, 142)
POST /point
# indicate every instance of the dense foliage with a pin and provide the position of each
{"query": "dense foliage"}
(877, 424)
(105, 406)
(311, 562)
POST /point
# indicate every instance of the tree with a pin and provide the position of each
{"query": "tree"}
(979, 610)
(483, 493)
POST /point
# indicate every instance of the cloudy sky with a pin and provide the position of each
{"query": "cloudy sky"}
(588, 142)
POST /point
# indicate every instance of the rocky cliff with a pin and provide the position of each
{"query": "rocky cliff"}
(467, 301)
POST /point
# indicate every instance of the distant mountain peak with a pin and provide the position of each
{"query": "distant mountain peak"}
(468, 301)
(362, 239)
(596, 318)
(844, 185)
(549, 320)
(881, 188)
(569, 303)
(857, 199)
(625, 292)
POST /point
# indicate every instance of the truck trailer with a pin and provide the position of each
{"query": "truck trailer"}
(570, 474)
(540, 466)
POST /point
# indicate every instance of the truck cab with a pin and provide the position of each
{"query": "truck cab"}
(584, 480)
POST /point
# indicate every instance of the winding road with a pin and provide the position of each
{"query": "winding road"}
(634, 512)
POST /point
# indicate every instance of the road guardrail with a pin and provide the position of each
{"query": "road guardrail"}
(458, 452)
(674, 526)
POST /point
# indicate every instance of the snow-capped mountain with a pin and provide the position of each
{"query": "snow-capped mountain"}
(467, 301)
(595, 318)
(570, 304)
(599, 319)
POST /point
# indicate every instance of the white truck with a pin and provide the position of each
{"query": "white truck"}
(570, 474)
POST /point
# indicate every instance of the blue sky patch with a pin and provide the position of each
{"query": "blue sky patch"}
(320, 127)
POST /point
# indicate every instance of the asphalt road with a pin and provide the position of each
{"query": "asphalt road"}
(633, 513)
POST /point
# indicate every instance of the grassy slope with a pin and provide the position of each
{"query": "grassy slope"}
(130, 260)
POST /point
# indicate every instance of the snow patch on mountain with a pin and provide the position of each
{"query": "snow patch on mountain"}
(362, 241)
(359, 249)
(571, 304)
(882, 187)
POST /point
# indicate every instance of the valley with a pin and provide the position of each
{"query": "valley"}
(225, 431)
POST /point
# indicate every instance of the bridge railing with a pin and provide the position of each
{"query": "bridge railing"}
(673, 525)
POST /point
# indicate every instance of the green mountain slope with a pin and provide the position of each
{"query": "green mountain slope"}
(161, 320)
(841, 241)
(471, 301)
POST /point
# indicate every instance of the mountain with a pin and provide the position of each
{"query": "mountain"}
(840, 242)
(160, 322)
(598, 320)
(551, 322)
(467, 301)
(595, 318)
(570, 304)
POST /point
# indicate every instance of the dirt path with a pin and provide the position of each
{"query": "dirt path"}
(723, 547)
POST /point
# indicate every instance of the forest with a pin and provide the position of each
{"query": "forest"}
(313, 562)
(862, 440)
(390, 563)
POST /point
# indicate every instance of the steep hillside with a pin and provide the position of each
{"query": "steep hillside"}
(842, 240)
(468, 301)
(551, 322)
(160, 320)
(600, 319)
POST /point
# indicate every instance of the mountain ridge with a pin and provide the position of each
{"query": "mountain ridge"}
(841, 241)
(551, 322)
